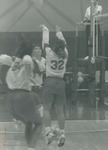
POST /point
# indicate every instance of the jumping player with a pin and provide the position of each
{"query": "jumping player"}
(54, 86)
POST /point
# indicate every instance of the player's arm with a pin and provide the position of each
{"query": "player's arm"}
(66, 53)
(60, 36)
(45, 36)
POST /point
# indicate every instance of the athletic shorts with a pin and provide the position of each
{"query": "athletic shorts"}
(22, 106)
(38, 90)
(54, 91)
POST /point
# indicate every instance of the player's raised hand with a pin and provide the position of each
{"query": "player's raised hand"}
(44, 27)
(58, 28)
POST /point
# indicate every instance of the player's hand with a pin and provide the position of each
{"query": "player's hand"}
(44, 27)
(58, 28)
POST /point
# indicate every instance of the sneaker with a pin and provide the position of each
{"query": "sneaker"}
(61, 140)
(59, 135)
(49, 138)
(56, 133)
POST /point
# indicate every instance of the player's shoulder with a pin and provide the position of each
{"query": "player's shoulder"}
(27, 59)
(6, 59)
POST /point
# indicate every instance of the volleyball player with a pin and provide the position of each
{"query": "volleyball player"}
(54, 86)
(24, 104)
(38, 75)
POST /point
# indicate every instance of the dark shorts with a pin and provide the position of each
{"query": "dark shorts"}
(54, 91)
(38, 90)
(22, 106)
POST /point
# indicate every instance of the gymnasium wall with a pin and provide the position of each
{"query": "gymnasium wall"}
(19, 16)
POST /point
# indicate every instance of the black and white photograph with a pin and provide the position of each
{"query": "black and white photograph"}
(53, 75)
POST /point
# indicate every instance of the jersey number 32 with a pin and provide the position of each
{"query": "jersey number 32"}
(57, 65)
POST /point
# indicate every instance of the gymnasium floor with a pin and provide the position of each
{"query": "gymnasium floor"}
(87, 129)
(80, 135)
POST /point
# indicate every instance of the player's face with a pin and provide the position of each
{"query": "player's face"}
(37, 52)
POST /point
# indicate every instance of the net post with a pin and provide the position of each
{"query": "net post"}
(75, 68)
(91, 61)
(102, 72)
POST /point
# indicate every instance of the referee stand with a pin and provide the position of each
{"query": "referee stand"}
(95, 93)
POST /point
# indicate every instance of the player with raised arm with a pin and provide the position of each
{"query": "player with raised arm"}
(54, 86)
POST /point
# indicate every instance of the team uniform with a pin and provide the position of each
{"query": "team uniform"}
(55, 69)
(22, 101)
(23, 104)
(54, 87)
(54, 84)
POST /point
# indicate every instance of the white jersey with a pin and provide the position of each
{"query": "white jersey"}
(55, 66)
(16, 77)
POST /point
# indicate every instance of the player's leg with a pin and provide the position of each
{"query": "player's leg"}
(59, 107)
(60, 116)
(61, 122)
(47, 103)
(47, 117)
(47, 122)
(24, 106)
(32, 133)
(28, 131)
(33, 123)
